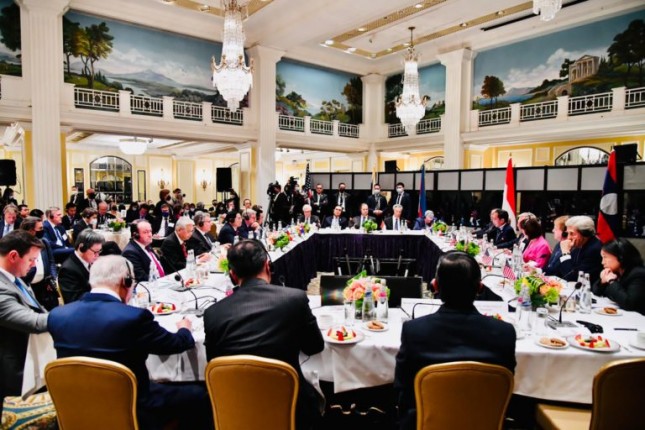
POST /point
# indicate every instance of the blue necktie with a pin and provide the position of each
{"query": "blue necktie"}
(30, 299)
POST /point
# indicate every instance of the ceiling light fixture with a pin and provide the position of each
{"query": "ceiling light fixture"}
(410, 107)
(205, 8)
(418, 5)
(362, 29)
(546, 8)
(134, 145)
(232, 77)
(329, 42)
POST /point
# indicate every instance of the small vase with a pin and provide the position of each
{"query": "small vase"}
(358, 314)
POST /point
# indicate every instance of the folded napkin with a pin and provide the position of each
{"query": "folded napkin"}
(40, 352)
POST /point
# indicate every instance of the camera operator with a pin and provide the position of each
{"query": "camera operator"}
(280, 205)
(178, 198)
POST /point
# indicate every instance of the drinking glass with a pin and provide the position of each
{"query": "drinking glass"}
(350, 312)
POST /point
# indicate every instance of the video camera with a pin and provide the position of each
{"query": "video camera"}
(291, 185)
(271, 189)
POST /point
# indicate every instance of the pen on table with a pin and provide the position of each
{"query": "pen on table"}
(625, 328)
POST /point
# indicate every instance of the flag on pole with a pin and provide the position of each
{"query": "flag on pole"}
(307, 187)
(508, 200)
(487, 260)
(608, 219)
(508, 271)
(422, 193)
(373, 177)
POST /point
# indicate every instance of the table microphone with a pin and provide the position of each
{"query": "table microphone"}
(556, 324)
(422, 304)
(198, 311)
(145, 288)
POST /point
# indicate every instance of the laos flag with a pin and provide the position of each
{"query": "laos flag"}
(608, 219)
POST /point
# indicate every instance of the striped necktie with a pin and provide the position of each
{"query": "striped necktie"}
(30, 299)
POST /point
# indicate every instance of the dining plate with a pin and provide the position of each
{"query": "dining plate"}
(602, 311)
(368, 326)
(163, 308)
(552, 342)
(633, 344)
(613, 345)
(359, 336)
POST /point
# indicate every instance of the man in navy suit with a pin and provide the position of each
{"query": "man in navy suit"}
(336, 219)
(147, 266)
(56, 235)
(401, 198)
(456, 332)
(41, 277)
(11, 220)
(265, 320)
(101, 325)
(504, 235)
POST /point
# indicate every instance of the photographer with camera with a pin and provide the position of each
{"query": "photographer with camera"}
(279, 204)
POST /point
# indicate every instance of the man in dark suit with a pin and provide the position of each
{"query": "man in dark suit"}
(396, 221)
(103, 217)
(456, 332)
(92, 201)
(163, 225)
(319, 202)
(580, 251)
(488, 229)
(88, 220)
(250, 228)
(505, 235)
(401, 198)
(127, 335)
(265, 320)
(307, 217)
(426, 222)
(76, 197)
(231, 229)
(42, 276)
(10, 221)
(74, 276)
(377, 204)
(147, 266)
(358, 220)
(336, 220)
(56, 235)
(201, 241)
(20, 313)
(343, 199)
(280, 206)
(70, 217)
(175, 248)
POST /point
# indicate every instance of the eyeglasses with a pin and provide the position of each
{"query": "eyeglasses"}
(96, 253)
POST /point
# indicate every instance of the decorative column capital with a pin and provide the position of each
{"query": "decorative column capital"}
(59, 7)
(457, 56)
(373, 78)
(265, 54)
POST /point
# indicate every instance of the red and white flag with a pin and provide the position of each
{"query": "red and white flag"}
(486, 258)
(508, 201)
(608, 218)
(508, 272)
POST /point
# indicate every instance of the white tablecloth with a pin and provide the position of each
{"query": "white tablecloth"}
(121, 238)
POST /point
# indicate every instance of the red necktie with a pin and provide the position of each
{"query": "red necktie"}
(154, 260)
(183, 249)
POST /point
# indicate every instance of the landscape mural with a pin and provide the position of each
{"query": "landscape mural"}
(10, 62)
(589, 59)
(432, 83)
(324, 94)
(110, 55)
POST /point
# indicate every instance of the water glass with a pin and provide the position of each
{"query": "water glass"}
(350, 312)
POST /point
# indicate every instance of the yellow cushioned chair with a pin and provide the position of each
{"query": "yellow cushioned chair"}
(618, 396)
(90, 393)
(249, 392)
(442, 390)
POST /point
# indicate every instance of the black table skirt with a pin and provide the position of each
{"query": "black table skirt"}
(298, 266)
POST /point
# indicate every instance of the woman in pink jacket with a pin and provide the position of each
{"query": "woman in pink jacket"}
(538, 249)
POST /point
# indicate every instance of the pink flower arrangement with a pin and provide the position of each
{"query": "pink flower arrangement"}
(356, 287)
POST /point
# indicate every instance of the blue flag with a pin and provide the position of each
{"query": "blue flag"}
(422, 193)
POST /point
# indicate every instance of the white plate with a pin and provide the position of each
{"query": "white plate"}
(166, 312)
(631, 343)
(601, 311)
(538, 343)
(615, 346)
(359, 336)
(385, 328)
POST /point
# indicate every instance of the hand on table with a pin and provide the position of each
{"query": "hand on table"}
(202, 258)
(184, 323)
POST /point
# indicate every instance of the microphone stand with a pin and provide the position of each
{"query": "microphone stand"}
(553, 323)
(414, 308)
(349, 267)
(145, 288)
(398, 263)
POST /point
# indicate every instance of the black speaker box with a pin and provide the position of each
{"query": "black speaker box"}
(391, 167)
(8, 172)
(224, 179)
(626, 153)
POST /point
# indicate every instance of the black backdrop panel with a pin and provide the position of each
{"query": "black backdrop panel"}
(8, 172)
(224, 179)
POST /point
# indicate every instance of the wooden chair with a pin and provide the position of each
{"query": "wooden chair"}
(249, 392)
(617, 396)
(91, 393)
(462, 395)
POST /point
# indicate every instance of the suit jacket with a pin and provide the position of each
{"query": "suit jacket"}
(420, 223)
(173, 256)
(313, 219)
(269, 321)
(140, 261)
(17, 320)
(342, 221)
(587, 259)
(87, 203)
(68, 224)
(227, 234)
(505, 237)
(356, 221)
(104, 219)
(156, 225)
(405, 202)
(319, 208)
(244, 231)
(120, 333)
(50, 235)
(488, 230)
(280, 209)
(16, 225)
(49, 265)
(348, 202)
(73, 279)
(199, 243)
(389, 223)
(451, 334)
(628, 290)
(376, 202)
(79, 227)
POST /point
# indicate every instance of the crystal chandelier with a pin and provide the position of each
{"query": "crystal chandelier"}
(232, 77)
(546, 8)
(134, 146)
(410, 107)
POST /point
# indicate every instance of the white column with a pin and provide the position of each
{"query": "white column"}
(42, 59)
(373, 107)
(262, 104)
(372, 159)
(459, 81)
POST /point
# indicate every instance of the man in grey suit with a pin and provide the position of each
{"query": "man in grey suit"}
(20, 313)
(265, 320)
(358, 220)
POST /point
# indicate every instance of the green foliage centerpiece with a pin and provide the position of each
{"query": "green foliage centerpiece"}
(369, 226)
(470, 248)
(543, 290)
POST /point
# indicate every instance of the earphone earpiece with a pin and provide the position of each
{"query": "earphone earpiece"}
(128, 280)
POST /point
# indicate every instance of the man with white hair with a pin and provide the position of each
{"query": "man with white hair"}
(580, 251)
(250, 228)
(425, 222)
(307, 217)
(101, 325)
(396, 221)
(174, 247)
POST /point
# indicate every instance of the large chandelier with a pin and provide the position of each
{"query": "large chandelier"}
(410, 107)
(546, 8)
(232, 77)
(134, 145)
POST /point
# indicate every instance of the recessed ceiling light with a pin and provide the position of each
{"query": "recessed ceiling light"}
(389, 49)
(361, 29)
(500, 13)
(373, 55)
(418, 5)
(204, 8)
(464, 24)
(351, 49)
(168, 1)
(329, 42)
(406, 44)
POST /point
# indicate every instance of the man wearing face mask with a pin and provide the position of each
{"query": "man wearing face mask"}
(43, 275)
(401, 198)
(92, 201)
(164, 224)
(88, 220)
(343, 199)
(377, 204)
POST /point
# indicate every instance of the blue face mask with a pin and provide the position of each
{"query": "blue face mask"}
(165, 214)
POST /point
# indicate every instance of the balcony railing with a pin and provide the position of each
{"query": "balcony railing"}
(143, 105)
(348, 130)
(321, 127)
(534, 111)
(591, 103)
(495, 116)
(225, 116)
(635, 98)
(96, 99)
(430, 125)
(187, 110)
(291, 123)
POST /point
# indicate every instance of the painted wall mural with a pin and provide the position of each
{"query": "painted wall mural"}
(10, 53)
(588, 59)
(325, 94)
(432, 83)
(110, 55)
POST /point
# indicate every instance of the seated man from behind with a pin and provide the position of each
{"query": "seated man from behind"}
(265, 320)
(74, 275)
(456, 332)
(101, 325)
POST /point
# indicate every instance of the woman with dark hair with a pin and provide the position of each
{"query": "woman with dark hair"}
(7, 197)
(623, 277)
(538, 249)
(37, 213)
